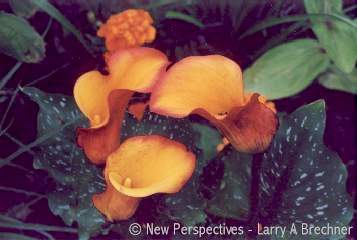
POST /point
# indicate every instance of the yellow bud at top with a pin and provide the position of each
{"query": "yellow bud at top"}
(130, 28)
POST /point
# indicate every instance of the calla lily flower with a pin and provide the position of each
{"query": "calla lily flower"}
(212, 87)
(104, 98)
(140, 167)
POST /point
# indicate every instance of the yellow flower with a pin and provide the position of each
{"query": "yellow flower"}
(130, 28)
(212, 87)
(140, 167)
(103, 99)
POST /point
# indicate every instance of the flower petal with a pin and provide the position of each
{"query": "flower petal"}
(115, 205)
(261, 99)
(99, 142)
(213, 83)
(249, 128)
(91, 95)
(151, 164)
(137, 109)
(134, 69)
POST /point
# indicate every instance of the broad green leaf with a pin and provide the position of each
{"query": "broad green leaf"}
(302, 181)
(186, 206)
(19, 39)
(286, 69)
(76, 179)
(233, 198)
(340, 81)
(337, 38)
(47, 7)
(323, 6)
(23, 8)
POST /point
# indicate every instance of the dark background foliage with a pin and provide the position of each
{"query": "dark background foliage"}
(66, 59)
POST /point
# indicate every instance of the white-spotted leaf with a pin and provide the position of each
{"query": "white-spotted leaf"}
(76, 179)
(233, 198)
(302, 181)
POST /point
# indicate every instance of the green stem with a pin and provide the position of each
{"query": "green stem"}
(350, 8)
(10, 189)
(47, 75)
(35, 143)
(12, 100)
(14, 165)
(18, 142)
(15, 224)
(9, 74)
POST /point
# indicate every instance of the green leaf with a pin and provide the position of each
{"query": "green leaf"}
(76, 179)
(302, 181)
(337, 38)
(14, 236)
(340, 81)
(233, 198)
(153, 124)
(286, 69)
(184, 17)
(47, 7)
(23, 8)
(207, 140)
(20, 40)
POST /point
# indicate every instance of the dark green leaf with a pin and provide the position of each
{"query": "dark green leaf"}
(23, 8)
(184, 17)
(340, 81)
(286, 70)
(302, 181)
(47, 7)
(19, 39)
(233, 198)
(76, 179)
(338, 38)
(154, 124)
(207, 140)
(187, 206)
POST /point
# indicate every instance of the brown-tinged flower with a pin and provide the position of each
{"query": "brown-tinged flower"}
(212, 87)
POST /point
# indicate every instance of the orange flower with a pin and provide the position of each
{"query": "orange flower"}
(104, 98)
(138, 109)
(212, 87)
(130, 28)
(140, 167)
